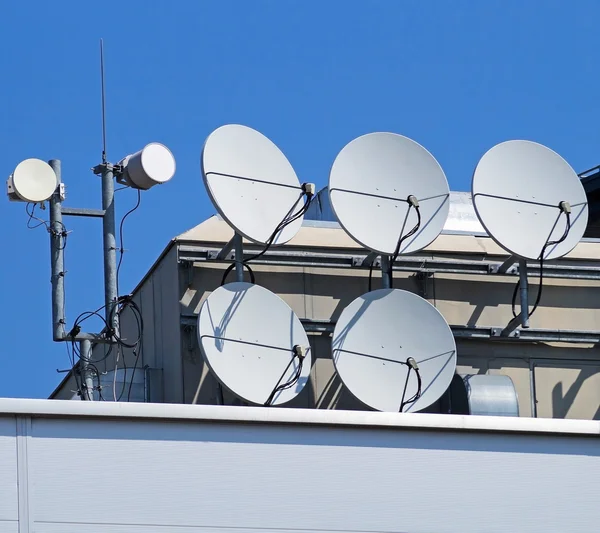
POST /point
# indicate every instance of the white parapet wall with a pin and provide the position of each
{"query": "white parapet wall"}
(68, 467)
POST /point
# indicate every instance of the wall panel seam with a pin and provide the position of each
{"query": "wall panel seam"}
(24, 503)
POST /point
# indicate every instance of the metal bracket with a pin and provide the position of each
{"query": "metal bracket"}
(225, 253)
(371, 259)
(188, 330)
(522, 319)
(510, 266)
(102, 167)
(422, 280)
(82, 212)
(189, 268)
(62, 192)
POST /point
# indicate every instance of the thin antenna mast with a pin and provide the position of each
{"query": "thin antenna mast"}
(104, 160)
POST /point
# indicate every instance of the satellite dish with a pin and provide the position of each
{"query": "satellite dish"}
(251, 183)
(249, 337)
(32, 181)
(373, 341)
(518, 188)
(152, 165)
(369, 187)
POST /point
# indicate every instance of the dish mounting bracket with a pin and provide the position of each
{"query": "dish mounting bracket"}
(235, 244)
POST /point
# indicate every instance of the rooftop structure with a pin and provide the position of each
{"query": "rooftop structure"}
(553, 364)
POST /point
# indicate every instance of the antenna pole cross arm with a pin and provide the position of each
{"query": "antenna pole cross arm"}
(103, 167)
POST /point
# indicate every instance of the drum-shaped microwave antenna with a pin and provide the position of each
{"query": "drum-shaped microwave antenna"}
(372, 183)
(251, 183)
(254, 343)
(152, 165)
(394, 351)
(521, 191)
(32, 181)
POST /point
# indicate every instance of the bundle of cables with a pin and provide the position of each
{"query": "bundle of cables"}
(91, 363)
(127, 302)
(308, 192)
(298, 353)
(412, 203)
(412, 365)
(565, 208)
(124, 302)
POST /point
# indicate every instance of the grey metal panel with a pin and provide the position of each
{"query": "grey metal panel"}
(8, 471)
(167, 330)
(10, 526)
(567, 389)
(146, 303)
(23, 479)
(215, 476)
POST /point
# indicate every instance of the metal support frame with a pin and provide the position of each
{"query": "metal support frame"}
(57, 242)
(223, 254)
(239, 257)
(426, 265)
(507, 267)
(371, 259)
(57, 266)
(326, 327)
(440, 264)
(86, 356)
(422, 281)
(237, 243)
(110, 246)
(82, 212)
(386, 272)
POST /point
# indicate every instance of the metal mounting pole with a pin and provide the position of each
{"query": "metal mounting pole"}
(524, 293)
(57, 241)
(110, 245)
(386, 272)
(239, 257)
(522, 319)
(88, 380)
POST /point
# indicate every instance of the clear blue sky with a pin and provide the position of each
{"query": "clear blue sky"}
(457, 76)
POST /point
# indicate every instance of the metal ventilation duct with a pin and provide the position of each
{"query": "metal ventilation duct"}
(491, 395)
(480, 394)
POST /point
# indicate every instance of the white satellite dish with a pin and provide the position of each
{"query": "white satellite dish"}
(32, 181)
(518, 188)
(250, 338)
(251, 183)
(152, 165)
(369, 187)
(373, 340)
